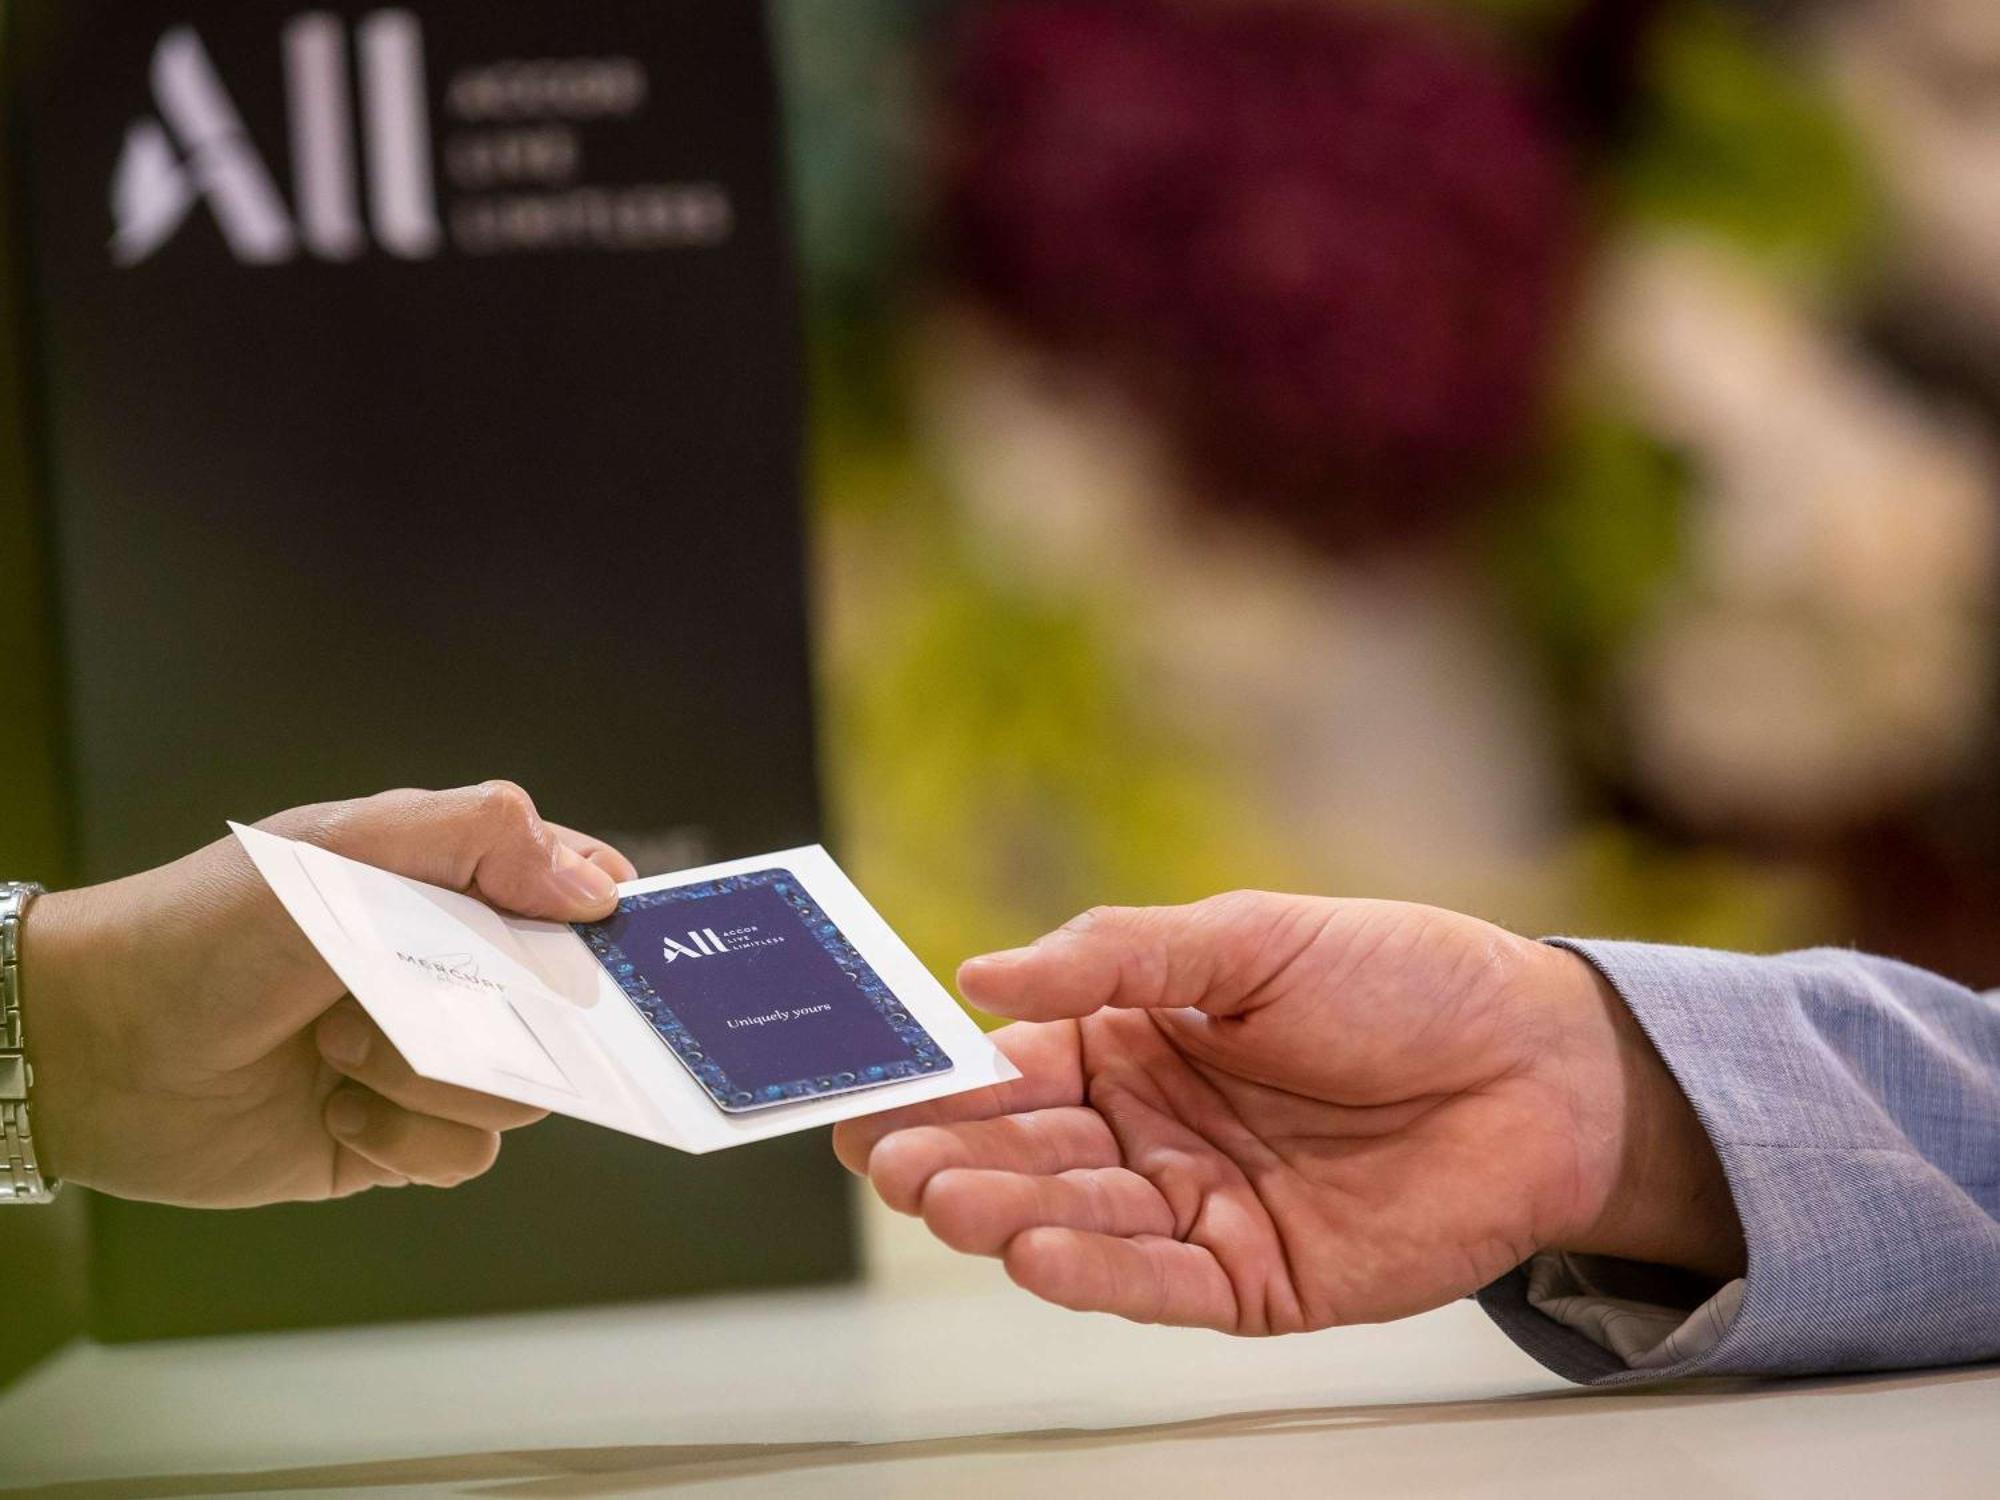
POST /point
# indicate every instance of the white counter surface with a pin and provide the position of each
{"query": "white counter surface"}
(952, 1386)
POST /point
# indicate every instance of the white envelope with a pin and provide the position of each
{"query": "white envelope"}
(522, 1009)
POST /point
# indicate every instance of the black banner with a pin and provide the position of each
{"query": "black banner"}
(419, 403)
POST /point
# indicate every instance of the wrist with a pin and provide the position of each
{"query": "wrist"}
(1648, 1185)
(57, 1029)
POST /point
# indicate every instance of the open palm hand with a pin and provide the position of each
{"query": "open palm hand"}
(1267, 1114)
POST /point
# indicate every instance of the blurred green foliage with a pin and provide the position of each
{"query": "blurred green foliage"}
(995, 766)
(854, 97)
(1736, 138)
(1616, 881)
(1586, 549)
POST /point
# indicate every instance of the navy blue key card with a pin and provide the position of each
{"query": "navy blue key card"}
(758, 993)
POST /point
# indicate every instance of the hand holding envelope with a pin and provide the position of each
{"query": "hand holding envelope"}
(190, 1046)
(718, 1006)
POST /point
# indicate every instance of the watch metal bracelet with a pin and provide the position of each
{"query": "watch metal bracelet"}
(21, 1178)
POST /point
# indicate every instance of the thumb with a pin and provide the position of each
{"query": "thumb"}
(1215, 955)
(486, 839)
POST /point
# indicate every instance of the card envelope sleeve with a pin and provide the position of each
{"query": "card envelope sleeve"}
(521, 1009)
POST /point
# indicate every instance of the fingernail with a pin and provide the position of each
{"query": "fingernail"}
(974, 972)
(584, 881)
(346, 1115)
(1001, 959)
(344, 1039)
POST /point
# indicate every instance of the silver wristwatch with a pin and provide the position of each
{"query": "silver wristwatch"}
(20, 1174)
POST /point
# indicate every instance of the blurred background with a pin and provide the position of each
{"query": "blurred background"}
(1532, 456)
(1540, 457)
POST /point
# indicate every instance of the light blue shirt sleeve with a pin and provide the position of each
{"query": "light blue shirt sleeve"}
(1855, 1105)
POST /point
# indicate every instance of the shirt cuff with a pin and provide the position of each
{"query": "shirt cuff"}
(1619, 1306)
(1851, 1102)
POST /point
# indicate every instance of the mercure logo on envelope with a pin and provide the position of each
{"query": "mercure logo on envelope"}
(455, 968)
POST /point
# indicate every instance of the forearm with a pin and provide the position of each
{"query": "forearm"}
(122, 985)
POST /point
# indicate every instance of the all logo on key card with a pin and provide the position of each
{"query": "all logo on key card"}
(705, 944)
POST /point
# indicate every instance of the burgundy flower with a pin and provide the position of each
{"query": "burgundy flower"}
(1330, 241)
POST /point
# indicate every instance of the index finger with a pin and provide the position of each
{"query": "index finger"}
(1216, 955)
(1050, 1057)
